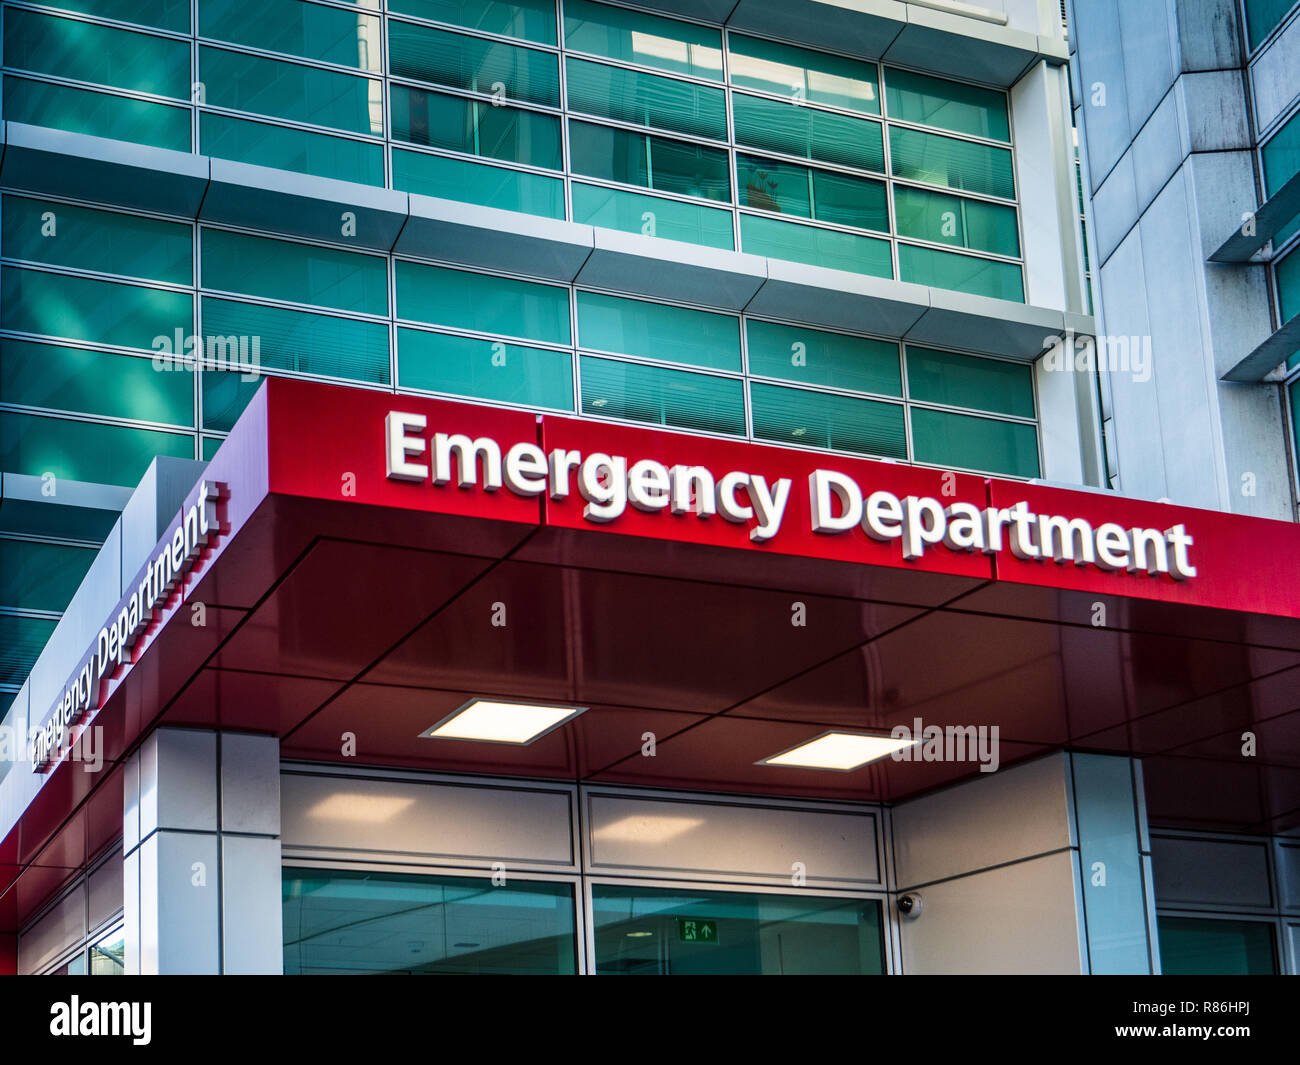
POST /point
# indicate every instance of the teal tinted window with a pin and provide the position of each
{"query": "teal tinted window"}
(82, 238)
(211, 445)
(35, 576)
(483, 303)
(490, 186)
(171, 15)
(96, 113)
(84, 51)
(651, 162)
(809, 356)
(928, 101)
(1288, 287)
(956, 220)
(313, 31)
(823, 195)
(297, 273)
(822, 419)
(659, 396)
(652, 216)
(939, 160)
(681, 930)
(1281, 160)
(808, 133)
(291, 149)
(1295, 413)
(800, 74)
(417, 925)
(658, 331)
(1192, 946)
(644, 39)
(80, 308)
(815, 246)
(951, 380)
(225, 395)
(302, 341)
(293, 91)
(475, 127)
(531, 20)
(461, 62)
(645, 99)
(963, 441)
(84, 451)
(502, 371)
(21, 640)
(1262, 16)
(961, 273)
(94, 382)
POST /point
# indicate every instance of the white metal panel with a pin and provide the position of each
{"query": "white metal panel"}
(999, 817)
(439, 820)
(769, 843)
(1018, 918)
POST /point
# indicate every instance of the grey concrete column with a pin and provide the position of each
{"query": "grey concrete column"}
(201, 854)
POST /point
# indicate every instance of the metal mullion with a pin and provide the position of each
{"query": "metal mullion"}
(662, 364)
(469, 31)
(813, 164)
(98, 419)
(971, 412)
(286, 57)
(566, 154)
(642, 68)
(424, 149)
(970, 253)
(830, 390)
(99, 20)
(969, 138)
(94, 275)
(948, 190)
(102, 208)
(480, 401)
(408, 257)
(652, 131)
(474, 334)
(516, 103)
(816, 105)
(838, 227)
(291, 305)
(662, 194)
(92, 86)
(86, 345)
(291, 238)
(733, 157)
(293, 123)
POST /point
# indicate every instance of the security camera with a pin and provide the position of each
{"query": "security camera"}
(909, 906)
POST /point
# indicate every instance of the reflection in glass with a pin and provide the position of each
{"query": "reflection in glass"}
(355, 922)
(674, 931)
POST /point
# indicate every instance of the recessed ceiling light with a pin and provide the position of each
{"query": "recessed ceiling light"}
(639, 935)
(489, 721)
(841, 751)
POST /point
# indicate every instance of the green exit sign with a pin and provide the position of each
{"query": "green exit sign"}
(697, 930)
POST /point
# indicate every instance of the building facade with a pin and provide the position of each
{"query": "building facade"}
(240, 243)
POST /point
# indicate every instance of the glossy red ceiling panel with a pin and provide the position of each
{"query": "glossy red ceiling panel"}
(344, 606)
(386, 722)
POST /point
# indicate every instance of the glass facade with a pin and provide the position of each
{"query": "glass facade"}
(675, 931)
(578, 110)
(366, 922)
(346, 922)
(1191, 946)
